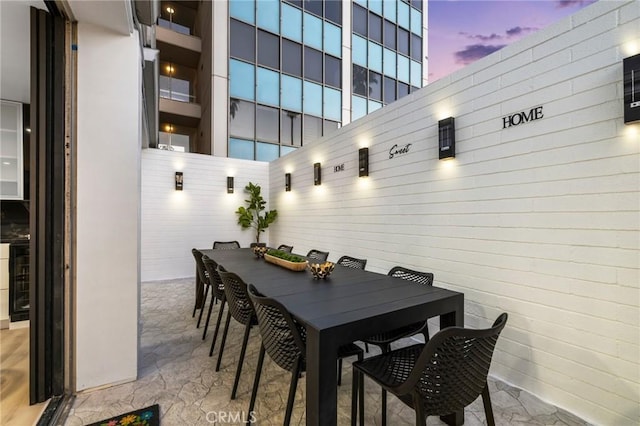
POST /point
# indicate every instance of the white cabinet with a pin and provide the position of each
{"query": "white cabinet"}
(4, 285)
(11, 163)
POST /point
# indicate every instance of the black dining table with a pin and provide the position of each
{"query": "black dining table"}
(349, 305)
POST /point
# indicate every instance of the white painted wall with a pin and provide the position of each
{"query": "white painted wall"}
(174, 222)
(108, 206)
(541, 220)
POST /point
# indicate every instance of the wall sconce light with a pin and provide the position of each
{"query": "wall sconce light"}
(446, 138)
(363, 162)
(631, 71)
(317, 174)
(179, 182)
(229, 184)
(287, 182)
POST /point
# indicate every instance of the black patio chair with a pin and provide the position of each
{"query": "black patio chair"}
(436, 379)
(217, 289)
(284, 339)
(226, 245)
(318, 255)
(352, 262)
(241, 310)
(286, 248)
(204, 280)
(384, 340)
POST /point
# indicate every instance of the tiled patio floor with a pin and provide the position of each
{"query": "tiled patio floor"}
(176, 372)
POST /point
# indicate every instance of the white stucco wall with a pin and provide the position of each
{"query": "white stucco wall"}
(108, 206)
(174, 222)
(540, 220)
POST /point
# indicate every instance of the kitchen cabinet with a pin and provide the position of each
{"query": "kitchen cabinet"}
(11, 151)
(4, 285)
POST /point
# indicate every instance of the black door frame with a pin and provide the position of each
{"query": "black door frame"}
(47, 207)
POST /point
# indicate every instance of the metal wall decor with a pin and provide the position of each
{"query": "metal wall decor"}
(179, 181)
(229, 184)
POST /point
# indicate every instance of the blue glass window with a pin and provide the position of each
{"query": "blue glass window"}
(375, 57)
(403, 68)
(284, 150)
(416, 21)
(268, 87)
(291, 97)
(389, 10)
(312, 31)
(375, 6)
(358, 107)
(416, 74)
(312, 99)
(242, 119)
(359, 50)
(361, 2)
(243, 9)
(239, 148)
(269, 15)
(267, 151)
(332, 39)
(242, 80)
(292, 17)
(267, 120)
(373, 105)
(389, 63)
(403, 15)
(332, 104)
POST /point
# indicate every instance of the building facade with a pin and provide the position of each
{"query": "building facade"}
(258, 79)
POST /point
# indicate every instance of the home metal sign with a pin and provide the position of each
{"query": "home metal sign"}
(522, 117)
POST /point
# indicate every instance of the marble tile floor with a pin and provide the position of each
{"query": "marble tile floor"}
(176, 372)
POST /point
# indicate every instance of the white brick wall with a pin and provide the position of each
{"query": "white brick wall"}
(174, 222)
(541, 220)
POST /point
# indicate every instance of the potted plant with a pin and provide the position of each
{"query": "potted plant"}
(251, 216)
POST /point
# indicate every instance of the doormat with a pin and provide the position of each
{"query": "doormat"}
(149, 416)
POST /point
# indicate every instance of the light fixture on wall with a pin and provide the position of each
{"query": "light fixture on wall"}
(631, 71)
(446, 138)
(287, 182)
(229, 184)
(363, 162)
(317, 174)
(179, 182)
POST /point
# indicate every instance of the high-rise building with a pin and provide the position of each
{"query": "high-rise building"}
(256, 79)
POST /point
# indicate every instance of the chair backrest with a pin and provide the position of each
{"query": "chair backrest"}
(282, 337)
(452, 369)
(424, 278)
(204, 277)
(352, 262)
(235, 291)
(211, 266)
(226, 245)
(286, 248)
(318, 255)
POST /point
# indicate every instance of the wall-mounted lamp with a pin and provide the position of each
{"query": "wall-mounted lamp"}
(631, 71)
(363, 162)
(446, 138)
(179, 182)
(317, 174)
(287, 182)
(229, 184)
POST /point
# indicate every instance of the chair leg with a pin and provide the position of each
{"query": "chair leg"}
(204, 303)
(215, 333)
(339, 371)
(247, 329)
(224, 339)
(385, 348)
(206, 325)
(256, 382)
(361, 396)
(292, 392)
(421, 418)
(366, 347)
(355, 391)
(486, 401)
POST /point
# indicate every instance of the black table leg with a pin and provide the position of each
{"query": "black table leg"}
(322, 394)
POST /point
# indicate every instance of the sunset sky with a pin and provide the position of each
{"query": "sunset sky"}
(461, 32)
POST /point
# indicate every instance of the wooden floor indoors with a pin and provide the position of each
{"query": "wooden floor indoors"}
(14, 379)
